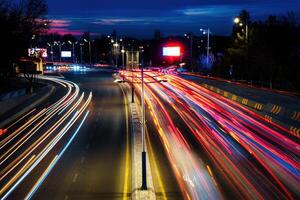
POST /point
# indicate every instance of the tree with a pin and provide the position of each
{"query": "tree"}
(20, 24)
(270, 55)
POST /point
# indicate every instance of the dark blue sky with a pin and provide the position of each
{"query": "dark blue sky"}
(173, 17)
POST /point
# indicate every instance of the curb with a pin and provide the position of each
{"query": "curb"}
(268, 111)
(51, 90)
(12, 94)
(136, 153)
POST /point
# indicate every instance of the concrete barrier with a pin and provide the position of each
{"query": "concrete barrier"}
(270, 112)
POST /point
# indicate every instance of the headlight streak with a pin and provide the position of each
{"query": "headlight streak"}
(191, 173)
(281, 166)
(36, 144)
(24, 116)
(217, 122)
(33, 130)
(13, 135)
(54, 161)
(62, 106)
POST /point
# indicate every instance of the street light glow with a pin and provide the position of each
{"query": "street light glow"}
(236, 20)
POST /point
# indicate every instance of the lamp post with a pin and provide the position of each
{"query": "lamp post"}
(144, 168)
(207, 31)
(90, 50)
(81, 44)
(239, 22)
(73, 50)
(51, 50)
(116, 51)
(60, 45)
(132, 86)
(190, 36)
(123, 56)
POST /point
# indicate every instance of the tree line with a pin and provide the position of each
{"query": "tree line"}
(265, 52)
(20, 23)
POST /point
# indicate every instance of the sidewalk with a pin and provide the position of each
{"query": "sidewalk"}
(273, 106)
(13, 107)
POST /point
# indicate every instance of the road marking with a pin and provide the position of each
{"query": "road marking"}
(151, 155)
(66, 197)
(75, 177)
(41, 179)
(126, 182)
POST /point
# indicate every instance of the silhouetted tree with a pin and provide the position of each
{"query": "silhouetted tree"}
(271, 53)
(20, 24)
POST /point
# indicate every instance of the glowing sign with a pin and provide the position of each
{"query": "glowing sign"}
(37, 52)
(171, 51)
(66, 54)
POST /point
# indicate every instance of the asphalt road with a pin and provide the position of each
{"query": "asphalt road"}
(217, 148)
(94, 165)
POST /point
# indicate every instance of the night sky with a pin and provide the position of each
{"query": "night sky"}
(173, 17)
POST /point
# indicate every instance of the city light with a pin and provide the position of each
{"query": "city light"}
(171, 51)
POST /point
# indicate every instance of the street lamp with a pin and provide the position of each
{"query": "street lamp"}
(116, 52)
(207, 31)
(81, 44)
(59, 45)
(90, 50)
(144, 167)
(239, 22)
(236, 20)
(73, 49)
(123, 56)
(51, 50)
(190, 36)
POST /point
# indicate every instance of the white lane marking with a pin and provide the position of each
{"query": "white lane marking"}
(75, 177)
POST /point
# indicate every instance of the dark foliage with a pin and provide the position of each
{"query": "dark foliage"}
(271, 54)
(20, 24)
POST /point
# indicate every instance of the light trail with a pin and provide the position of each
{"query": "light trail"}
(38, 136)
(54, 161)
(254, 158)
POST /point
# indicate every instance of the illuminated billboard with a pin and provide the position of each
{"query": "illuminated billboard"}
(171, 51)
(37, 52)
(66, 54)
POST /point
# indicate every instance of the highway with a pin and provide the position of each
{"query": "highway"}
(77, 144)
(35, 142)
(91, 158)
(95, 166)
(216, 147)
